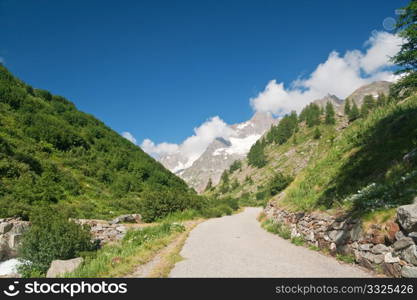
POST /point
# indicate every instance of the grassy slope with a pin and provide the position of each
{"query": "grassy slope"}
(52, 153)
(366, 156)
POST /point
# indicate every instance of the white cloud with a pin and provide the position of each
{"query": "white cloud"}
(127, 135)
(338, 75)
(192, 147)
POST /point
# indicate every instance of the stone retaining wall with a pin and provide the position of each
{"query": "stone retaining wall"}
(389, 248)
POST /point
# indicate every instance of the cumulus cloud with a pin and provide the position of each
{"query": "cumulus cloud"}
(338, 75)
(192, 147)
(127, 135)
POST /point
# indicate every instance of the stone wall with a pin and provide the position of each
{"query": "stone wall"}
(389, 248)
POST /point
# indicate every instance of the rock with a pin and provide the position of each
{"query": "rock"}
(5, 227)
(378, 237)
(409, 272)
(403, 243)
(365, 247)
(20, 228)
(310, 236)
(379, 249)
(407, 217)
(413, 235)
(399, 235)
(346, 249)
(410, 156)
(14, 241)
(337, 236)
(333, 248)
(132, 218)
(4, 249)
(60, 267)
(410, 255)
(389, 259)
(391, 269)
(362, 259)
(356, 232)
(338, 225)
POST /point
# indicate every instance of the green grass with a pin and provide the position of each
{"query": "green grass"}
(137, 247)
(298, 241)
(277, 228)
(350, 259)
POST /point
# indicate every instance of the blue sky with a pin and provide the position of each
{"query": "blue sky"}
(158, 69)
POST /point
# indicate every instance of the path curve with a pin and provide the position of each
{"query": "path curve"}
(236, 246)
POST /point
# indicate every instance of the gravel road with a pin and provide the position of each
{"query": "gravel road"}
(236, 246)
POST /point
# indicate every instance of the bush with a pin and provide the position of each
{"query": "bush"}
(52, 236)
(278, 183)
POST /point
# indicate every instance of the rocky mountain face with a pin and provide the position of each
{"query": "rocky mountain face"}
(338, 103)
(374, 89)
(220, 154)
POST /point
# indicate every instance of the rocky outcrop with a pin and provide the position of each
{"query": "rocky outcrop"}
(389, 248)
(11, 230)
(407, 217)
(131, 218)
(104, 232)
(60, 267)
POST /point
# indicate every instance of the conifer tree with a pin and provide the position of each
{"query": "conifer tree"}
(330, 114)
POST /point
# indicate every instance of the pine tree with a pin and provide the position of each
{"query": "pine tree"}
(368, 105)
(225, 177)
(354, 112)
(406, 58)
(209, 185)
(330, 115)
(317, 133)
(347, 107)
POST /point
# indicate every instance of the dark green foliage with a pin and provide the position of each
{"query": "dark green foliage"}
(52, 236)
(256, 155)
(406, 58)
(354, 113)
(330, 114)
(317, 133)
(311, 115)
(278, 183)
(236, 165)
(235, 184)
(52, 153)
(347, 107)
(225, 177)
(209, 185)
(368, 105)
(286, 127)
(158, 204)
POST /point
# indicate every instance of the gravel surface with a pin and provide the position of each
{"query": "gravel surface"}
(236, 246)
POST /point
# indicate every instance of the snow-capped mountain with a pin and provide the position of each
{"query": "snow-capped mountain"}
(220, 154)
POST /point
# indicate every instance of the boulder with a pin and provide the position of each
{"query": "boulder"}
(399, 235)
(60, 267)
(389, 259)
(5, 227)
(403, 243)
(410, 255)
(4, 249)
(413, 235)
(131, 218)
(407, 217)
(393, 270)
(379, 249)
(409, 272)
(365, 247)
(356, 232)
(14, 241)
(391, 229)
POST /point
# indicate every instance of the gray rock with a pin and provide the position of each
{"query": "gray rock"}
(310, 236)
(356, 232)
(60, 267)
(389, 259)
(365, 247)
(4, 249)
(410, 255)
(337, 236)
(131, 218)
(403, 243)
(5, 227)
(399, 235)
(409, 272)
(14, 241)
(413, 235)
(379, 249)
(20, 228)
(407, 217)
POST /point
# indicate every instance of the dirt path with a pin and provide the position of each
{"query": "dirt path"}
(236, 246)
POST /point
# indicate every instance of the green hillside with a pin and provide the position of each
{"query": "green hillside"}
(365, 164)
(51, 153)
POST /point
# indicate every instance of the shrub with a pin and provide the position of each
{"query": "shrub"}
(52, 236)
(278, 183)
